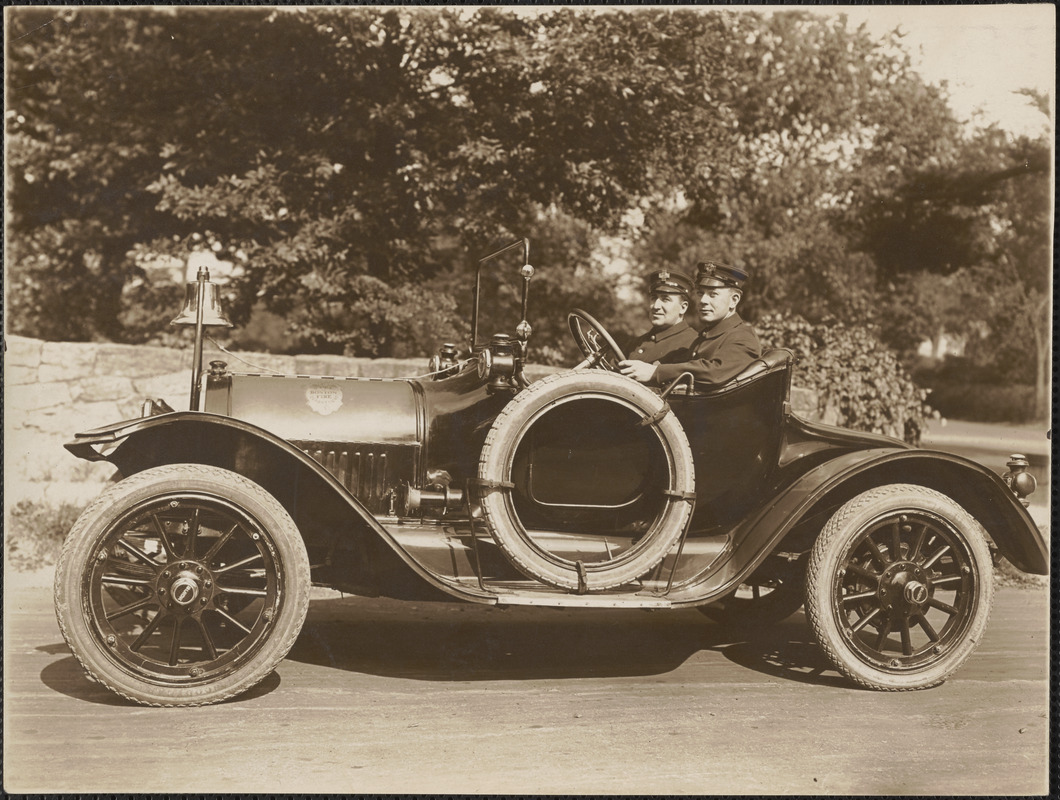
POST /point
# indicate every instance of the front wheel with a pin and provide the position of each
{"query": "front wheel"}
(182, 585)
(899, 587)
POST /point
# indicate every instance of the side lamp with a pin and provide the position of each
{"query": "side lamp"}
(1018, 479)
(202, 308)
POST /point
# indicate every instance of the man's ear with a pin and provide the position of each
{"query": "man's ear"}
(684, 307)
(737, 295)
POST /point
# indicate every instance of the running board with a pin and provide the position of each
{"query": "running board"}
(557, 600)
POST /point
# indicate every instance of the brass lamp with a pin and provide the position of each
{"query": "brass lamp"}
(202, 308)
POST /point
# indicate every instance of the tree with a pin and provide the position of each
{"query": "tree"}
(978, 228)
(825, 117)
(856, 197)
(353, 161)
(335, 154)
(77, 200)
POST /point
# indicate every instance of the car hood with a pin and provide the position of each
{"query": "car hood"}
(311, 409)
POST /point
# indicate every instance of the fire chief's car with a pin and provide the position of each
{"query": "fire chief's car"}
(187, 581)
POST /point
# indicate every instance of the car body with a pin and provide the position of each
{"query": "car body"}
(187, 581)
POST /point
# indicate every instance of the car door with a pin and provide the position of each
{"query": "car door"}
(735, 434)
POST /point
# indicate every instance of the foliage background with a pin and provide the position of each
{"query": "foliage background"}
(350, 164)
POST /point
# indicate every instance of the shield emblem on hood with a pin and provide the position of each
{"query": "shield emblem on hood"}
(324, 400)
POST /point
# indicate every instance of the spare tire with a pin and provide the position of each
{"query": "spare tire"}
(637, 439)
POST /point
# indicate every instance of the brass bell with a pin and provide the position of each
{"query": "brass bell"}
(212, 313)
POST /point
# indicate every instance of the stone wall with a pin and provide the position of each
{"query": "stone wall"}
(55, 389)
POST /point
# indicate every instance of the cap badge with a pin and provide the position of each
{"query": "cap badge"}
(664, 275)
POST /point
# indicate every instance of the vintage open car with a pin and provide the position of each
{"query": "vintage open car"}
(188, 579)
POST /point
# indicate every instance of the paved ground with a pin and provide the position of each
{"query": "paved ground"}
(387, 697)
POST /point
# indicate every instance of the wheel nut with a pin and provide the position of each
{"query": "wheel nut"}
(895, 662)
(102, 555)
(936, 649)
(196, 672)
(255, 537)
(162, 590)
(915, 593)
(165, 574)
(199, 570)
(111, 640)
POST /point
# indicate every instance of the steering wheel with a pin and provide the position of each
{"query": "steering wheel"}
(594, 341)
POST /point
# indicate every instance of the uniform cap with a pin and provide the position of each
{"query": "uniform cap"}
(713, 274)
(668, 281)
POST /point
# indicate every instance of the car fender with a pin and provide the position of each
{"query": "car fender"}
(200, 437)
(824, 488)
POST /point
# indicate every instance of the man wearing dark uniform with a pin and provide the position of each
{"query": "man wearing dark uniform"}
(726, 345)
(670, 337)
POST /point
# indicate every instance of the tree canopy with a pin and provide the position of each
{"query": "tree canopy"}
(352, 162)
(346, 157)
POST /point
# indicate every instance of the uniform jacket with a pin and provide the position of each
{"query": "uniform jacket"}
(672, 344)
(718, 355)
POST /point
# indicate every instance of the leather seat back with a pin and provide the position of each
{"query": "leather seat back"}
(772, 358)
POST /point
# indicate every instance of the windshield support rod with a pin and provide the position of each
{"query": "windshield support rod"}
(523, 243)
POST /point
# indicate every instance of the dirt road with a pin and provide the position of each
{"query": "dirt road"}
(379, 696)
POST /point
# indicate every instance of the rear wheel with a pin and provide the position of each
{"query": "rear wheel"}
(182, 585)
(899, 587)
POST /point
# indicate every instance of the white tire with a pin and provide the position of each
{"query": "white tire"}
(495, 474)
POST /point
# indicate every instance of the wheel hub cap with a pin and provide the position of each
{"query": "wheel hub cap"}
(915, 593)
(185, 589)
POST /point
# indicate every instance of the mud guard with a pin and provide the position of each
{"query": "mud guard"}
(979, 490)
(135, 445)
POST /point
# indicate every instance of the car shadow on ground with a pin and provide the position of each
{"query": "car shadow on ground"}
(65, 676)
(465, 642)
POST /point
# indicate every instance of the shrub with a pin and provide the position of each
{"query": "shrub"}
(35, 532)
(962, 390)
(859, 381)
(984, 402)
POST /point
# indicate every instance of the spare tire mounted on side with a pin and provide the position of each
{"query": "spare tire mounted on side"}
(577, 393)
